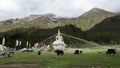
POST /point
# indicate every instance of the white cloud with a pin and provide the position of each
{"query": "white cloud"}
(9, 5)
(65, 8)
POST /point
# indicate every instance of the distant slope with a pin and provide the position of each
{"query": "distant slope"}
(90, 18)
(10, 24)
(41, 21)
(107, 31)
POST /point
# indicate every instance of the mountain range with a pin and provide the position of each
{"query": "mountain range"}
(85, 21)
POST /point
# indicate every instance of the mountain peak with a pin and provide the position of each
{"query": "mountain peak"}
(96, 9)
(99, 10)
(96, 12)
(50, 15)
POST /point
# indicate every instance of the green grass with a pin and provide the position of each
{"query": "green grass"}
(88, 59)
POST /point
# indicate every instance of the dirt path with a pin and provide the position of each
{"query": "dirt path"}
(21, 65)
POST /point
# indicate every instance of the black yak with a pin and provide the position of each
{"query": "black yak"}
(111, 51)
(59, 52)
(39, 52)
(77, 52)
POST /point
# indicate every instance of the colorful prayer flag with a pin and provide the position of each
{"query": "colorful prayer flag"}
(3, 41)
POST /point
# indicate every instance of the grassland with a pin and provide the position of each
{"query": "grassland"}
(89, 59)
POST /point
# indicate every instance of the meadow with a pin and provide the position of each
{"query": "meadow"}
(91, 58)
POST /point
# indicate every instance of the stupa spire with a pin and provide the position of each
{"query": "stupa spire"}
(59, 32)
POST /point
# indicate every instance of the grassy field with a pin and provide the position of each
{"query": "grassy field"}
(89, 59)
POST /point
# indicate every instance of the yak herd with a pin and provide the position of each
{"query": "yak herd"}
(78, 52)
(61, 52)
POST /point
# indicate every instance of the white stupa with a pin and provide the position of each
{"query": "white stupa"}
(59, 42)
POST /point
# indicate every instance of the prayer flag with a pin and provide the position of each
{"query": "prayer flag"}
(3, 41)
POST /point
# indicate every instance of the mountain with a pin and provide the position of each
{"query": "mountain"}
(90, 18)
(107, 31)
(41, 21)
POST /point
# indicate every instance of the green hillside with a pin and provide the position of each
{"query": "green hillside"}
(107, 31)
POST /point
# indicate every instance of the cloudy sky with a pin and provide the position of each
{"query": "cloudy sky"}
(64, 8)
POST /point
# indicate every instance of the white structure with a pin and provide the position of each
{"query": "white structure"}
(59, 43)
(2, 47)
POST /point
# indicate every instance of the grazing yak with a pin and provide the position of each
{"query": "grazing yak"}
(59, 52)
(77, 52)
(39, 52)
(111, 51)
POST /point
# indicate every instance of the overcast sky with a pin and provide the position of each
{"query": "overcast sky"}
(64, 8)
